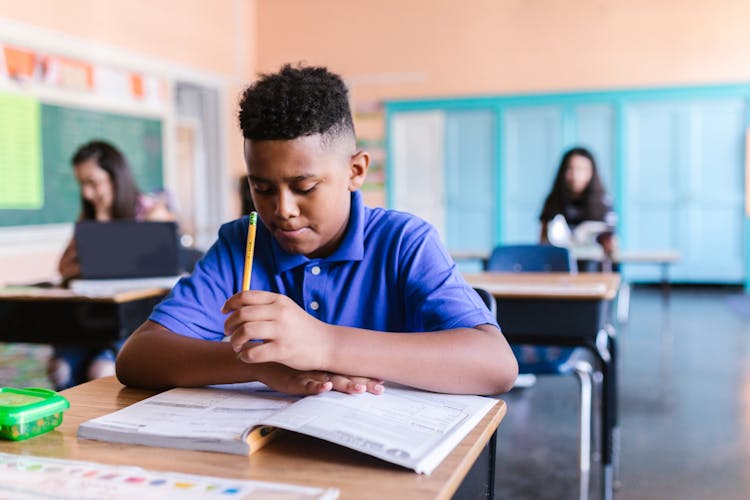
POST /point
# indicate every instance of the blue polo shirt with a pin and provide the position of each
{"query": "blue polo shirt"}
(391, 273)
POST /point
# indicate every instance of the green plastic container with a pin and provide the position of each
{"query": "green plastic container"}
(26, 413)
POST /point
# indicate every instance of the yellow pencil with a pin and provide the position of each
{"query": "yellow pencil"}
(261, 436)
(249, 250)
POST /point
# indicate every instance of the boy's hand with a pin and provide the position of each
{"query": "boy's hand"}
(268, 327)
(290, 381)
(356, 385)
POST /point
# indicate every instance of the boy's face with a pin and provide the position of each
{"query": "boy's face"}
(301, 190)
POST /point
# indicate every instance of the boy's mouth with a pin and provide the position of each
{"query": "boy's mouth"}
(290, 233)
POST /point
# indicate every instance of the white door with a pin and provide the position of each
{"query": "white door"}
(417, 165)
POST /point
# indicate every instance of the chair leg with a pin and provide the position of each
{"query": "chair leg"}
(584, 371)
(623, 303)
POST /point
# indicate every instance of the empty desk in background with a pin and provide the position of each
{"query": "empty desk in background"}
(60, 316)
(662, 258)
(290, 458)
(561, 309)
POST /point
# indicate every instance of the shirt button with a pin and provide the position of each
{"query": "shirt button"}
(315, 270)
(314, 305)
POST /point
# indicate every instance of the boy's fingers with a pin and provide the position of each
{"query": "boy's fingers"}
(319, 375)
(356, 385)
(257, 353)
(247, 314)
(254, 333)
(248, 297)
(316, 387)
(375, 387)
(342, 384)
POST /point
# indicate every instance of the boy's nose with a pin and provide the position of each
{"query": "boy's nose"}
(286, 205)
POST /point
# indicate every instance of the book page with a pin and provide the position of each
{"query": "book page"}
(204, 418)
(412, 428)
(28, 478)
(588, 231)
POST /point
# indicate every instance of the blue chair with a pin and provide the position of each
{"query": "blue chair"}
(536, 360)
(531, 258)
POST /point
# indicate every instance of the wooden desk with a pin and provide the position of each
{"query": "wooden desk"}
(59, 316)
(564, 286)
(291, 458)
(561, 309)
(663, 258)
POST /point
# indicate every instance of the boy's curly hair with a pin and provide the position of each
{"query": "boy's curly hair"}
(296, 102)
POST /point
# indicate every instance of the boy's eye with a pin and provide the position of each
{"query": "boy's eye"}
(262, 189)
(308, 188)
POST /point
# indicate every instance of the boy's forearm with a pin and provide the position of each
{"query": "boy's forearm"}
(464, 360)
(156, 358)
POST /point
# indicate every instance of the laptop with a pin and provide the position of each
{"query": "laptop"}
(127, 249)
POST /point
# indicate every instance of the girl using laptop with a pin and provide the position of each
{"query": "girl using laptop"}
(108, 192)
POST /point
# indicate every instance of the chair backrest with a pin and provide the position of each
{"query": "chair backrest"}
(189, 257)
(488, 299)
(531, 258)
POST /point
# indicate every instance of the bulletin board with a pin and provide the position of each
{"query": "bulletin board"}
(37, 141)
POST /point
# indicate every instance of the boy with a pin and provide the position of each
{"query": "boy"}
(332, 280)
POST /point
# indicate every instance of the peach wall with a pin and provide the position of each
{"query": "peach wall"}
(452, 47)
(195, 33)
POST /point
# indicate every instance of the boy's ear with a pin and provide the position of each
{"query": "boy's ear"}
(358, 165)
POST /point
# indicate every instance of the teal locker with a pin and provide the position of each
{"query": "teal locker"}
(672, 159)
(530, 149)
(683, 185)
(469, 180)
(594, 129)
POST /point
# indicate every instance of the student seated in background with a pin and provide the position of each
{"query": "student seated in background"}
(579, 195)
(342, 296)
(108, 192)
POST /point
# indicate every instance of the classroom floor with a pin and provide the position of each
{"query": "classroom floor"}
(684, 408)
(23, 365)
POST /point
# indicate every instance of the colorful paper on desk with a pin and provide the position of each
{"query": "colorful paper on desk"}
(27, 478)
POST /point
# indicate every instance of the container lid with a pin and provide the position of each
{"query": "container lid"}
(18, 406)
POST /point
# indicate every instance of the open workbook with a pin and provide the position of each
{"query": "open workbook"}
(408, 427)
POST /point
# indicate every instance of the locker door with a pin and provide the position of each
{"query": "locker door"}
(683, 184)
(470, 180)
(531, 148)
(711, 207)
(595, 130)
(655, 157)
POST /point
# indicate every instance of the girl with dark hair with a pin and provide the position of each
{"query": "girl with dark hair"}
(579, 195)
(108, 192)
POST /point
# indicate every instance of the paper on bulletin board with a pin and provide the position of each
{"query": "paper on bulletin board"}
(20, 153)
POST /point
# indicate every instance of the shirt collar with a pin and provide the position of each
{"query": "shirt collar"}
(352, 247)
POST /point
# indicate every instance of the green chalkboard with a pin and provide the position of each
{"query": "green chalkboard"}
(62, 130)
